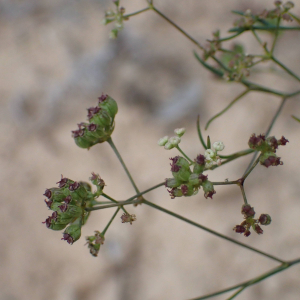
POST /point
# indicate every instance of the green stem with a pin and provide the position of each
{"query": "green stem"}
(246, 174)
(243, 193)
(229, 37)
(200, 134)
(146, 191)
(285, 68)
(236, 293)
(179, 149)
(177, 27)
(110, 141)
(267, 28)
(110, 221)
(227, 107)
(136, 13)
(115, 201)
(211, 231)
(119, 204)
(250, 282)
(225, 182)
(237, 154)
(276, 35)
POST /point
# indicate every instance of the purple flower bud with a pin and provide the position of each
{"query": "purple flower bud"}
(247, 233)
(258, 229)
(92, 111)
(74, 186)
(203, 177)
(48, 194)
(48, 203)
(102, 98)
(68, 238)
(283, 141)
(68, 199)
(200, 159)
(63, 181)
(247, 211)
(92, 127)
(239, 229)
(265, 219)
(63, 207)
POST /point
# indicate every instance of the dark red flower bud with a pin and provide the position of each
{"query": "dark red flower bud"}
(63, 181)
(68, 238)
(48, 194)
(175, 168)
(63, 207)
(68, 199)
(48, 203)
(77, 133)
(247, 233)
(203, 177)
(283, 141)
(200, 159)
(92, 111)
(247, 211)
(258, 229)
(74, 186)
(102, 98)
(239, 229)
(265, 219)
(92, 127)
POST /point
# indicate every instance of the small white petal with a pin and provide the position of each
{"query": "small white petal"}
(163, 141)
(180, 131)
(218, 146)
(174, 140)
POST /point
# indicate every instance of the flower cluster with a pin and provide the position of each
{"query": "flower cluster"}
(94, 242)
(187, 183)
(170, 143)
(280, 11)
(249, 221)
(117, 16)
(67, 201)
(100, 123)
(267, 147)
(127, 218)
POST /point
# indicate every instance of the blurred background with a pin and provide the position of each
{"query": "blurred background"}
(56, 59)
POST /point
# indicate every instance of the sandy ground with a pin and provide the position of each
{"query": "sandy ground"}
(56, 59)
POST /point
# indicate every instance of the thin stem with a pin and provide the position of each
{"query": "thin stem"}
(179, 149)
(246, 174)
(236, 293)
(250, 282)
(211, 231)
(266, 28)
(258, 39)
(177, 27)
(229, 37)
(244, 194)
(227, 107)
(200, 134)
(110, 141)
(115, 201)
(225, 182)
(285, 68)
(120, 204)
(146, 191)
(110, 221)
(237, 154)
(136, 13)
(276, 35)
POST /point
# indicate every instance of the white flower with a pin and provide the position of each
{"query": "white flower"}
(163, 141)
(218, 146)
(180, 131)
(209, 154)
(174, 140)
(168, 146)
(209, 163)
